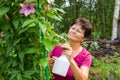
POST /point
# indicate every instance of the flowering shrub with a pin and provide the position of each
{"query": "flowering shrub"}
(26, 38)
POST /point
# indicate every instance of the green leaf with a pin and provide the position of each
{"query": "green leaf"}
(26, 28)
(43, 62)
(15, 22)
(22, 30)
(94, 45)
(85, 44)
(49, 43)
(49, 27)
(4, 10)
(32, 0)
(53, 16)
(27, 22)
(31, 25)
(28, 73)
(21, 66)
(60, 10)
(19, 77)
(21, 55)
(9, 47)
(14, 73)
(14, 63)
(43, 27)
(17, 41)
(8, 63)
(32, 50)
(35, 62)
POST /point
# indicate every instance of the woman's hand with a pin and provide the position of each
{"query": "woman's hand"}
(51, 61)
(67, 50)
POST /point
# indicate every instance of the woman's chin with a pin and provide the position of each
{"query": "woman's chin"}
(71, 38)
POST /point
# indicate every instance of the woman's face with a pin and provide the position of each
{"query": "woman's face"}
(76, 33)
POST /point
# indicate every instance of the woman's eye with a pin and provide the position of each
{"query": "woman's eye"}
(73, 28)
(78, 31)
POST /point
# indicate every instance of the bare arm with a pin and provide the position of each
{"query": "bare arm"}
(79, 73)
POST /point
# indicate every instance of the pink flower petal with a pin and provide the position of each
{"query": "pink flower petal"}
(31, 5)
(21, 5)
(32, 10)
(27, 8)
(22, 10)
(27, 12)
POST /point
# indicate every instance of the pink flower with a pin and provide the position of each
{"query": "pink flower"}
(27, 8)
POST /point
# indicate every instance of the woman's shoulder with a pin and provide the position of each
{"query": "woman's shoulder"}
(85, 51)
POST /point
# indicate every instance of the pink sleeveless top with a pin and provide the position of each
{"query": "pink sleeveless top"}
(82, 59)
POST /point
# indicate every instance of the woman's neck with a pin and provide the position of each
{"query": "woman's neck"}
(75, 45)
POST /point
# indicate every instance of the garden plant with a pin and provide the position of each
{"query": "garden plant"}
(26, 37)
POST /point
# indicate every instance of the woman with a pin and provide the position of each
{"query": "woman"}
(79, 58)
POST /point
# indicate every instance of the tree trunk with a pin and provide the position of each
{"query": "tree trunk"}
(118, 33)
(115, 19)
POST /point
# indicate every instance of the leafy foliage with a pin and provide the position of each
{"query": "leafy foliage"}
(106, 68)
(27, 40)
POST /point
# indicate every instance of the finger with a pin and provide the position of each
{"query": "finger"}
(65, 47)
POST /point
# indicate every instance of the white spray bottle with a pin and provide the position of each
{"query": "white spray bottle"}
(61, 66)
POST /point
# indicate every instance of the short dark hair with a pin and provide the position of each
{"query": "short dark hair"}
(85, 24)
